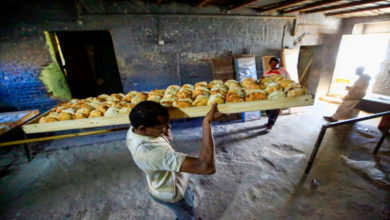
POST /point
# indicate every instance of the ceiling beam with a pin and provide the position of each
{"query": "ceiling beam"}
(308, 6)
(242, 5)
(351, 4)
(358, 10)
(280, 5)
(203, 2)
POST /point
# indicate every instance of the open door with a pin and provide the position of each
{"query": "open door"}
(89, 63)
(358, 50)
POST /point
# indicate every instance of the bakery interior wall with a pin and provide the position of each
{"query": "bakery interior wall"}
(189, 41)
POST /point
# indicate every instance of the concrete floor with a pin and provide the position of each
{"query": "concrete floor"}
(258, 176)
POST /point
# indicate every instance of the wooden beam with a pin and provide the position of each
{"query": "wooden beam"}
(203, 2)
(277, 6)
(308, 6)
(347, 5)
(242, 4)
(358, 10)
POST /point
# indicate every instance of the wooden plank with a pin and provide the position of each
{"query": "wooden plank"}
(10, 120)
(242, 5)
(203, 2)
(309, 6)
(358, 10)
(223, 68)
(347, 5)
(277, 6)
(265, 62)
(174, 113)
(76, 124)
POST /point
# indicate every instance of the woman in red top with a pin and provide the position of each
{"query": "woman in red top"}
(275, 70)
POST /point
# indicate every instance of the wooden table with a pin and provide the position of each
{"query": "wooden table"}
(11, 120)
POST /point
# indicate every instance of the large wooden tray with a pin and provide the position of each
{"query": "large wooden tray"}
(35, 127)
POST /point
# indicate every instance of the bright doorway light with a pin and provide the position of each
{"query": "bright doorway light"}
(358, 50)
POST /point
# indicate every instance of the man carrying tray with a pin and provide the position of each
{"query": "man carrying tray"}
(149, 141)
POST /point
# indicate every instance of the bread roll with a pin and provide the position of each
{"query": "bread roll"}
(217, 90)
(50, 119)
(95, 103)
(265, 80)
(53, 114)
(139, 97)
(187, 86)
(200, 90)
(95, 114)
(125, 111)
(155, 98)
(111, 112)
(272, 87)
(157, 92)
(127, 98)
(202, 83)
(184, 93)
(84, 111)
(42, 119)
(255, 94)
(232, 83)
(217, 98)
(103, 97)
(102, 107)
(173, 89)
(168, 101)
(247, 81)
(201, 100)
(127, 105)
(182, 103)
(277, 95)
(234, 98)
(215, 82)
(85, 105)
(69, 110)
(275, 77)
(64, 116)
(79, 115)
(296, 92)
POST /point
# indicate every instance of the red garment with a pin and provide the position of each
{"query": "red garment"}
(280, 71)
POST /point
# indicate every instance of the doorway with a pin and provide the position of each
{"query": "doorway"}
(368, 51)
(304, 64)
(89, 63)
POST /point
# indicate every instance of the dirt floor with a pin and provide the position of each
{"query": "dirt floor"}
(259, 176)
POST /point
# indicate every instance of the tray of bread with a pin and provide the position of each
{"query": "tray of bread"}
(184, 101)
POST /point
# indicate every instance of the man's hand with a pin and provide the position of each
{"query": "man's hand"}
(213, 114)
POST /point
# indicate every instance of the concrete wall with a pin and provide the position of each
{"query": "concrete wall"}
(143, 64)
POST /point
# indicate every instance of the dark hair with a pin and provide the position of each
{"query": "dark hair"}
(274, 59)
(146, 113)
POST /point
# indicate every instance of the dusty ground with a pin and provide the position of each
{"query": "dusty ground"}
(258, 176)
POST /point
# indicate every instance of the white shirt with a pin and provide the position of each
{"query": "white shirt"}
(161, 164)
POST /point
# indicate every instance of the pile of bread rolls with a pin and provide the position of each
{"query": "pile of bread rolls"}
(200, 94)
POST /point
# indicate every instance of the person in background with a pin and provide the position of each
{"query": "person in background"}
(273, 114)
(353, 97)
(149, 141)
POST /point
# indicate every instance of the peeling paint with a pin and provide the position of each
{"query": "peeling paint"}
(53, 78)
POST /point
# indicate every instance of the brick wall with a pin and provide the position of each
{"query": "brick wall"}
(20, 89)
(142, 63)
